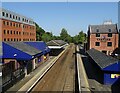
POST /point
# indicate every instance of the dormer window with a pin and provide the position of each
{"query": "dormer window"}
(23, 19)
(16, 17)
(6, 14)
(19, 18)
(109, 30)
(3, 13)
(13, 17)
(97, 30)
(10, 16)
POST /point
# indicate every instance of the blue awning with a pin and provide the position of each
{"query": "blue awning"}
(13, 53)
(40, 46)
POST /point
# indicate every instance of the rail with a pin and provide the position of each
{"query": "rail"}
(29, 86)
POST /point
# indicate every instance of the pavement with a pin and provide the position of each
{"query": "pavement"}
(82, 77)
(93, 75)
(29, 77)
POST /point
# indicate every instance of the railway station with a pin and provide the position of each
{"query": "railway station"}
(56, 46)
(107, 66)
(20, 59)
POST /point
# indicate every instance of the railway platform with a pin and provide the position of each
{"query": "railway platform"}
(30, 80)
(82, 77)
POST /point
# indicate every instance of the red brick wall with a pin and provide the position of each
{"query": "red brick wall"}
(103, 45)
(26, 33)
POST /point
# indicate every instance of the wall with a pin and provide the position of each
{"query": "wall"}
(16, 31)
(103, 45)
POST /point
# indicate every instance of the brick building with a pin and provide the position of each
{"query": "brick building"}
(15, 27)
(103, 37)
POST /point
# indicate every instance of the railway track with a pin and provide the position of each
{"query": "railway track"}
(61, 76)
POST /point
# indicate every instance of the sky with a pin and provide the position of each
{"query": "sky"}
(73, 16)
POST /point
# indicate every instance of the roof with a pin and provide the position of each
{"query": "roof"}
(13, 53)
(40, 45)
(103, 28)
(30, 21)
(101, 59)
(24, 47)
(56, 43)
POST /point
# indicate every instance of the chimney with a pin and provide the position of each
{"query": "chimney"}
(108, 22)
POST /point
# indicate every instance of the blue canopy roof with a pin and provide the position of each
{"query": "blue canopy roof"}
(40, 45)
(11, 52)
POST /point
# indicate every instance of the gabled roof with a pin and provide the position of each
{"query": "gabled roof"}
(40, 45)
(56, 43)
(24, 47)
(14, 53)
(103, 28)
(101, 59)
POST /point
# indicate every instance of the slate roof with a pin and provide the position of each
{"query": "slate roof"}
(101, 59)
(56, 43)
(40, 45)
(103, 28)
(24, 47)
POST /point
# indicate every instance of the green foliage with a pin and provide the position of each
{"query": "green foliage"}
(41, 34)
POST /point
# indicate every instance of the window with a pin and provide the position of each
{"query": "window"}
(17, 32)
(8, 39)
(4, 31)
(19, 18)
(97, 34)
(14, 39)
(6, 14)
(14, 24)
(97, 43)
(10, 23)
(109, 34)
(11, 39)
(23, 19)
(11, 32)
(7, 23)
(13, 17)
(16, 17)
(8, 32)
(10, 16)
(109, 30)
(97, 30)
(4, 39)
(3, 13)
(19, 25)
(14, 32)
(109, 43)
(4, 22)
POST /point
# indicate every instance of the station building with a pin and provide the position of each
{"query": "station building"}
(42, 46)
(106, 66)
(56, 46)
(19, 59)
(103, 37)
(16, 27)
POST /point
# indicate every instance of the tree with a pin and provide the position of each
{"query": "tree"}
(39, 32)
(64, 34)
(47, 36)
